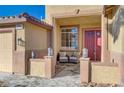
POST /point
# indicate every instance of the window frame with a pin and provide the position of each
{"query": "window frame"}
(70, 47)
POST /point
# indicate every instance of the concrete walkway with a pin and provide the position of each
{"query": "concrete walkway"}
(67, 77)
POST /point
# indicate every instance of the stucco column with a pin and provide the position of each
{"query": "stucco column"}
(85, 70)
(104, 51)
(80, 38)
(49, 66)
(54, 38)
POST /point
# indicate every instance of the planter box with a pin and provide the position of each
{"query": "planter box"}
(43, 67)
(105, 73)
(37, 67)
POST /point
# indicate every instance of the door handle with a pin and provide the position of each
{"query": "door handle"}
(94, 50)
(95, 54)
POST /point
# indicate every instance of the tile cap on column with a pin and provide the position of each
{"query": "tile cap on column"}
(85, 59)
(48, 57)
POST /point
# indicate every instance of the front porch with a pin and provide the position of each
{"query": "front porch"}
(72, 34)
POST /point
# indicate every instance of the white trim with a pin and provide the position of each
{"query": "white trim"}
(68, 47)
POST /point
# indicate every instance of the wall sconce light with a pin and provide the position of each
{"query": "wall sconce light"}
(19, 41)
(77, 11)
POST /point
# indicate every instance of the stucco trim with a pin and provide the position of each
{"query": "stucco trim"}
(73, 14)
(12, 20)
(24, 17)
(39, 24)
(5, 31)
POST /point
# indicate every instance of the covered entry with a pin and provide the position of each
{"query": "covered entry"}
(5, 51)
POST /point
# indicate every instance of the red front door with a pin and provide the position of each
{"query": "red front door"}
(93, 44)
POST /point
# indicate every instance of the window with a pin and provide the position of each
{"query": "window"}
(69, 38)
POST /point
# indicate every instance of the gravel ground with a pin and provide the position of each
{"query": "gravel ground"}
(67, 77)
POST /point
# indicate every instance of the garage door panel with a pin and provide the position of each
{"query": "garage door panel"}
(6, 41)
(6, 52)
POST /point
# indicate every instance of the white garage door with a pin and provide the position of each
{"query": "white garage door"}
(6, 52)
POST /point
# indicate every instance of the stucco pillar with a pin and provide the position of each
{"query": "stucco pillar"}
(104, 50)
(49, 67)
(54, 38)
(85, 70)
(20, 64)
(80, 39)
(121, 61)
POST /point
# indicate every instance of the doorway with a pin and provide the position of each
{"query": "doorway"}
(93, 44)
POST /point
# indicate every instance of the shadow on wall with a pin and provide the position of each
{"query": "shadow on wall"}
(116, 24)
(122, 24)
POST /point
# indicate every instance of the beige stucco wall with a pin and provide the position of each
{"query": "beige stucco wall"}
(52, 10)
(122, 37)
(82, 22)
(116, 47)
(36, 37)
(37, 67)
(37, 40)
(122, 28)
(44, 67)
(20, 33)
(110, 73)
